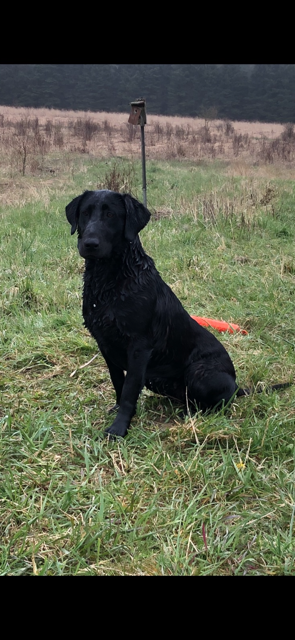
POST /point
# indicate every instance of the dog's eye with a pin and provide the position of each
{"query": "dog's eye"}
(88, 210)
(107, 212)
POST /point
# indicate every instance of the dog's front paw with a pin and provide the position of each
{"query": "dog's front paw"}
(116, 430)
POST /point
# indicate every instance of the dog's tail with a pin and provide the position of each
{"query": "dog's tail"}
(273, 387)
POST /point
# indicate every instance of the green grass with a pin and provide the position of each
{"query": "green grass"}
(205, 495)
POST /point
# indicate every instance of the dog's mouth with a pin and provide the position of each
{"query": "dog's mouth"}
(89, 253)
(95, 251)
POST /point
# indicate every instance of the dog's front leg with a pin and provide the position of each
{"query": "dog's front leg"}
(138, 358)
(118, 379)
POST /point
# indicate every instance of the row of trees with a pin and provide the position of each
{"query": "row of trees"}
(263, 92)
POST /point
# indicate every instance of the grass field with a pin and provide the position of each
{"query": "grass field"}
(204, 495)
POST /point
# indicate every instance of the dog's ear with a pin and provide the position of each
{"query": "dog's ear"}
(72, 211)
(137, 216)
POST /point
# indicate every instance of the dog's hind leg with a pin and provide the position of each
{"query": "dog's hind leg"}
(211, 392)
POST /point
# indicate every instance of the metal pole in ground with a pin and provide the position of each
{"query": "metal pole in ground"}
(143, 166)
(138, 116)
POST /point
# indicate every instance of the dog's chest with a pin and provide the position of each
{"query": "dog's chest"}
(103, 314)
(117, 308)
(106, 312)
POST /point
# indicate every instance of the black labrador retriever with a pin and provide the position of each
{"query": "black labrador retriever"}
(140, 326)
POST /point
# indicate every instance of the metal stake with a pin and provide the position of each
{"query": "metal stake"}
(138, 116)
(143, 166)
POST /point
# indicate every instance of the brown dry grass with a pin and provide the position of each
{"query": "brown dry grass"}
(259, 129)
(44, 144)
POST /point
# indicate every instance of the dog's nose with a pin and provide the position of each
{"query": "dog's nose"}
(91, 243)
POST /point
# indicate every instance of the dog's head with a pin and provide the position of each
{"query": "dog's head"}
(105, 221)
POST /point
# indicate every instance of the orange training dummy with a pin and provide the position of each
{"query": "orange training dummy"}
(219, 325)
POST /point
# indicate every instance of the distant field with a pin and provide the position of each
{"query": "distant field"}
(271, 130)
(204, 495)
(102, 134)
(43, 143)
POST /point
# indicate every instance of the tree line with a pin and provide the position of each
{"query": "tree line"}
(262, 92)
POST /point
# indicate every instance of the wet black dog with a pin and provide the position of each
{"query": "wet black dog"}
(140, 326)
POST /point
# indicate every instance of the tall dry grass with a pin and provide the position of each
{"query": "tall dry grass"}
(43, 144)
(96, 132)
